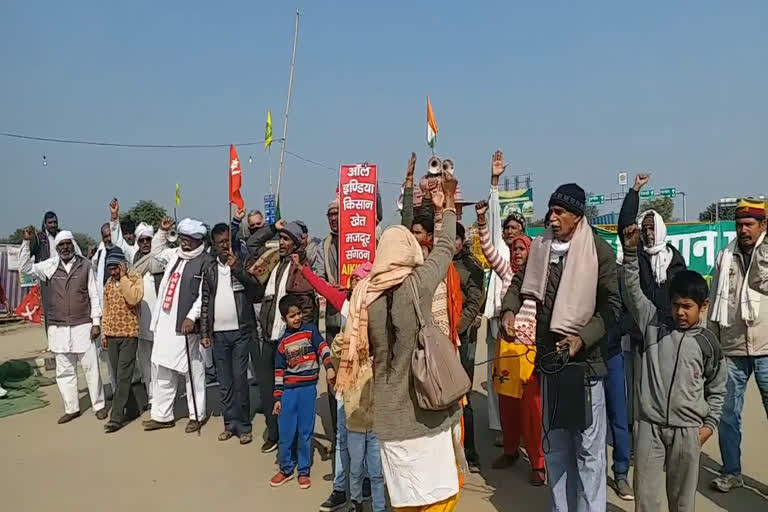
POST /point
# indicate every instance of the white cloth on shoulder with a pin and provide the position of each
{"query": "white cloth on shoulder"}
(749, 298)
(660, 253)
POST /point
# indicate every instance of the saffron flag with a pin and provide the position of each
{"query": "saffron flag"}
(268, 131)
(31, 308)
(431, 126)
(178, 195)
(235, 179)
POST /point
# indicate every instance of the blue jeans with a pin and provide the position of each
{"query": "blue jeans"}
(740, 368)
(296, 425)
(230, 353)
(365, 460)
(576, 460)
(341, 461)
(616, 406)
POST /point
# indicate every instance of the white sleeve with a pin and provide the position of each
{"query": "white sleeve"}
(194, 312)
(117, 236)
(93, 294)
(25, 263)
(160, 250)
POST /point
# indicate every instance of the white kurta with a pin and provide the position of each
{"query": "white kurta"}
(72, 344)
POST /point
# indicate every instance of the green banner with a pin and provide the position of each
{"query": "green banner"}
(520, 201)
(698, 243)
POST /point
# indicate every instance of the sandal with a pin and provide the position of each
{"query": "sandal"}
(226, 435)
(112, 427)
(246, 438)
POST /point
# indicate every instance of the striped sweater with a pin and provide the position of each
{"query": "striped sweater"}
(297, 356)
(498, 264)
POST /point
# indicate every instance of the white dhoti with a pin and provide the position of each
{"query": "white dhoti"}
(166, 385)
(66, 378)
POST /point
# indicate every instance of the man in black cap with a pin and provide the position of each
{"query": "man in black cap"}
(566, 299)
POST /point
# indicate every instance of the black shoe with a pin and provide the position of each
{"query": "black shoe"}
(193, 426)
(112, 427)
(68, 417)
(474, 465)
(366, 489)
(336, 501)
(151, 425)
(268, 446)
(101, 414)
(356, 507)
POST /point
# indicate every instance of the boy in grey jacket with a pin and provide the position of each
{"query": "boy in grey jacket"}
(680, 386)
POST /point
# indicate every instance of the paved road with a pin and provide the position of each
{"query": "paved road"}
(77, 467)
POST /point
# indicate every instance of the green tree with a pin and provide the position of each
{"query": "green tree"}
(84, 241)
(722, 213)
(14, 238)
(145, 211)
(665, 206)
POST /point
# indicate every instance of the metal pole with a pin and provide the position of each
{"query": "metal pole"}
(685, 207)
(287, 108)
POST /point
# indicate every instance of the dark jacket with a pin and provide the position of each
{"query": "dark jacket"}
(658, 294)
(244, 299)
(472, 294)
(593, 334)
(189, 286)
(295, 285)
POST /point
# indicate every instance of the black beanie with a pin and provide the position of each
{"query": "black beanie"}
(571, 197)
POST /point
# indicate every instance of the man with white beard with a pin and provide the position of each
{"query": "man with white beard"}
(175, 324)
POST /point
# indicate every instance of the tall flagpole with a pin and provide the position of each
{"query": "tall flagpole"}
(287, 109)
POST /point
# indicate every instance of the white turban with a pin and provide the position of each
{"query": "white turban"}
(193, 228)
(61, 236)
(142, 230)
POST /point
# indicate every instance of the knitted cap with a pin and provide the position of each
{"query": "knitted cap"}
(571, 197)
(115, 256)
(748, 208)
(293, 230)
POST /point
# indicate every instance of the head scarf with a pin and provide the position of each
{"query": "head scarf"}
(61, 236)
(517, 217)
(192, 228)
(49, 266)
(748, 208)
(143, 229)
(660, 253)
(527, 241)
(397, 255)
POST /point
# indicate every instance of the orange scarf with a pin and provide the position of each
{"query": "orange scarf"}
(455, 302)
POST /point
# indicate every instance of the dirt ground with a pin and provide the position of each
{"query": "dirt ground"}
(77, 467)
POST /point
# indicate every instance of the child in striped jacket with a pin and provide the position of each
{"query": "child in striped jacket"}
(299, 353)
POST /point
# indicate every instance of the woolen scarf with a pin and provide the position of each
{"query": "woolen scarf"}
(396, 257)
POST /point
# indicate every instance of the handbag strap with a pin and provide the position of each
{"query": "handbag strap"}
(417, 304)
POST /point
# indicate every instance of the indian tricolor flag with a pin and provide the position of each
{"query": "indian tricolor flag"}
(431, 126)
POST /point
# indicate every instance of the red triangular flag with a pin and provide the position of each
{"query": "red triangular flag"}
(235, 179)
(31, 308)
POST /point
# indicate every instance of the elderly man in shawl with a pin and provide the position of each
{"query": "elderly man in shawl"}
(175, 324)
(739, 318)
(566, 299)
(73, 317)
(283, 279)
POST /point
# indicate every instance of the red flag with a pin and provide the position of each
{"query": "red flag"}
(235, 179)
(31, 308)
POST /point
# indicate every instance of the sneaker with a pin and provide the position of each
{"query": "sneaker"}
(505, 461)
(366, 489)
(304, 482)
(268, 447)
(336, 501)
(279, 479)
(623, 489)
(473, 462)
(724, 483)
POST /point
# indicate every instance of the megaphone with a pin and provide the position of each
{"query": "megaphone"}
(434, 166)
(448, 166)
(173, 236)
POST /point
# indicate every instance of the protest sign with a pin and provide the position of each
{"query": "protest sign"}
(357, 218)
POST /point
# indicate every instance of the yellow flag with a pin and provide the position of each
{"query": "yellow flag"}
(178, 195)
(268, 131)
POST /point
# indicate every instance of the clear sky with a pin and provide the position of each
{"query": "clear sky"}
(571, 91)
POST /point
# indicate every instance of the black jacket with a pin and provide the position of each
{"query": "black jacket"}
(244, 299)
(472, 293)
(593, 334)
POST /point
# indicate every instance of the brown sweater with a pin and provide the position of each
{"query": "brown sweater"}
(397, 416)
(121, 313)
